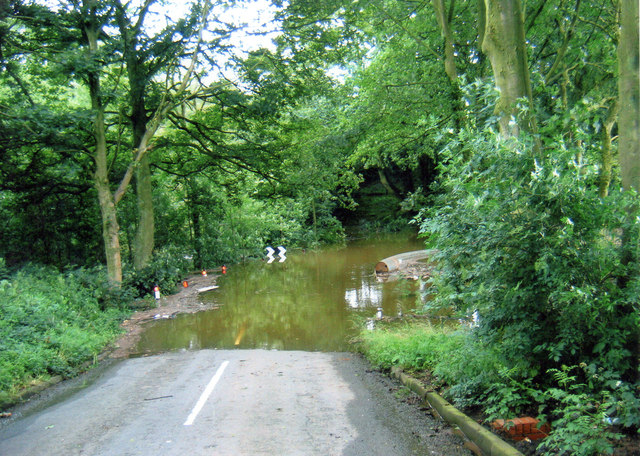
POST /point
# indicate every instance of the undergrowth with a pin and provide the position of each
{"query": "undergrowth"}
(585, 420)
(552, 270)
(53, 323)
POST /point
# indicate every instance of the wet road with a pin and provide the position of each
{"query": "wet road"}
(237, 402)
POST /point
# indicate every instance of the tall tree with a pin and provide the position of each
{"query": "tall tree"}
(138, 79)
(92, 21)
(146, 55)
(173, 96)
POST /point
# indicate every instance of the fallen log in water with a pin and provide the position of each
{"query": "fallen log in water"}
(402, 261)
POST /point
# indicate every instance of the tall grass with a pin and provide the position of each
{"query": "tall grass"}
(415, 346)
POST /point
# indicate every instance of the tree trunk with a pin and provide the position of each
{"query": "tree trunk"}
(138, 77)
(143, 248)
(444, 21)
(606, 165)
(628, 91)
(197, 239)
(194, 204)
(445, 28)
(390, 188)
(629, 152)
(502, 38)
(110, 227)
(315, 219)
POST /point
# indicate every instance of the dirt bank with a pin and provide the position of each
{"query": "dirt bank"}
(186, 300)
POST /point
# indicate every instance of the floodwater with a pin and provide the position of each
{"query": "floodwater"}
(308, 302)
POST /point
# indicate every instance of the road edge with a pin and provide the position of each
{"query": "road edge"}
(488, 443)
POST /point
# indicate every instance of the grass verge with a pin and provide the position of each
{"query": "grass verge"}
(584, 420)
(52, 324)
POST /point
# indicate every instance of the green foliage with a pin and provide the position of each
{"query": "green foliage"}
(51, 324)
(527, 242)
(217, 223)
(453, 356)
(523, 238)
(95, 281)
(582, 424)
(167, 268)
(473, 376)
(507, 396)
(4, 272)
(412, 347)
(471, 370)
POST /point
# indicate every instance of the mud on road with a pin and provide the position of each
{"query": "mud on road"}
(186, 300)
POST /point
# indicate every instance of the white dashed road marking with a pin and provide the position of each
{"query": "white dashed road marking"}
(206, 393)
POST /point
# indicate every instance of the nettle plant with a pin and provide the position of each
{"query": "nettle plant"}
(526, 241)
(582, 416)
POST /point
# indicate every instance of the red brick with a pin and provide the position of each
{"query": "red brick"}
(528, 425)
(520, 428)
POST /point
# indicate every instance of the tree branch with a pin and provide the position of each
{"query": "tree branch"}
(161, 112)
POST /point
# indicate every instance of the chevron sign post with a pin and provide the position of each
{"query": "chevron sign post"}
(281, 254)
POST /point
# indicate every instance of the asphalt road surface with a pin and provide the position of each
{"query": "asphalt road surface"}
(236, 402)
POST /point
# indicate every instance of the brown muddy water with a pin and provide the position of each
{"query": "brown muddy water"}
(308, 302)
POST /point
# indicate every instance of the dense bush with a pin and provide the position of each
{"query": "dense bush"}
(550, 267)
(51, 324)
(167, 268)
(530, 245)
(96, 282)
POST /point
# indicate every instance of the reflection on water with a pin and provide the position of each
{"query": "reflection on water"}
(366, 295)
(304, 303)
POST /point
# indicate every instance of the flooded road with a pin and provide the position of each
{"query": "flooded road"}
(306, 302)
(296, 400)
